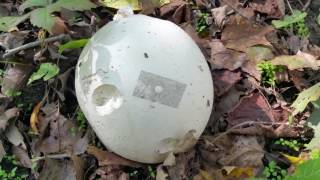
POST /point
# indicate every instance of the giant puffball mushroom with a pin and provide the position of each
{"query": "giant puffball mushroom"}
(141, 80)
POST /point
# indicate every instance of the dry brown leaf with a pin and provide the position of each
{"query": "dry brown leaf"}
(57, 169)
(251, 108)
(223, 80)
(22, 157)
(14, 136)
(59, 27)
(273, 8)
(106, 158)
(170, 160)
(161, 174)
(185, 162)
(176, 11)
(6, 116)
(2, 151)
(78, 164)
(34, 118)
(242, 35)
(219, 15)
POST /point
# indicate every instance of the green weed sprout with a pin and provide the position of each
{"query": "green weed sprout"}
(274, 172)
(202, 22)
(293, 144)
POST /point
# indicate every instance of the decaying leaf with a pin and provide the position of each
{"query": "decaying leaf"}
(251, 108)
(9, 23)
(22, 157)
(2, 151)
(14, 136)
(78, 164)
(13, 39)
(6, 116)
(242, 35)
(314, 122)
(106, 158)
(57, 169)
(259, 53)
(305, 97)
(224, 80)
(161, 174)
(219, 14)
(178, 145)
(301, 60)
(273, 8)
(134, 4)
(34, 118)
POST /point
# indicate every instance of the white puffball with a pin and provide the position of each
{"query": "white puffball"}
(141, 80)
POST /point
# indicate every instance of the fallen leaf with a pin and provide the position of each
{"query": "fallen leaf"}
(258, 53)
(251, 108)
(14, 136)
(13, 39)
(15, 78)
(314, 122)
(59, 27)
(176, 11)
(301, 60)
(185, 162)
(134, 4)
(109, 173)
(2, 151)
(22, 157)
(178, 145)
(241, 35)
(106, 158)
(223, 80)
(161, 174)
(223, 58)
(242, 172)
(6, 116)
(288, 20)
(57, 134)
(273, 8)
(79, 166)
(57, 169)
(9, 23)
(170, 160)
(148, 6)
(34, 118)
(219, 15)
(294, 160)
(305, 97)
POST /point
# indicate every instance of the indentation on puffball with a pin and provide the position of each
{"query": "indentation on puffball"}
(106, 98)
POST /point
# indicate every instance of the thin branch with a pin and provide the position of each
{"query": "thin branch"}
(11, 52)
(306, 6)
(290, 6)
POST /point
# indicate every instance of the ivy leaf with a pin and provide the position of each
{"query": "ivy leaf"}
(42, 18)
(73, 45)
(46, 71)
(308, 170)
(288, 20)
(33, 3)
(10, 22)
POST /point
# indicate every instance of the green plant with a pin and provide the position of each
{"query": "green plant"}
(274, 172)
(46, 71)
(152, 172)
(292, 144)
(202, 22)
(41, 15)
(74, 44)
(81, 119)
(7, 173)
(296, 22)
(12, 93)
(133, 173)
(268, 72)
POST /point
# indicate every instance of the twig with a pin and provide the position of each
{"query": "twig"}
(305, 7)
(289, 6)
(11, 52)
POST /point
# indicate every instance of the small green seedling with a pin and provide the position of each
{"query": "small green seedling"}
(292, 144)
(274, 172)
(202, 22)
(268, 72)
(81, 119)
(12, 93)
(152, 172)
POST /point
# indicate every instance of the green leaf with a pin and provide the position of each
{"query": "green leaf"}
(73, 5)
(33, 3)
(42, 18)
(308, 170)
(117, 4)
(10, 22)
(314, 122)
(288, 20)
(46, 71)
(306, 96)
(318, 19)
(73, 45)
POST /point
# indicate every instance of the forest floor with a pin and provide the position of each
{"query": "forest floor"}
(264, 60)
